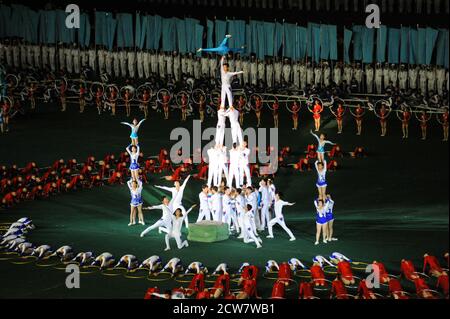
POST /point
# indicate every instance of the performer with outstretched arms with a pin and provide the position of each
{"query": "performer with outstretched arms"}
(321, 147)
(165, 223)
(134, 130)
(226, 77)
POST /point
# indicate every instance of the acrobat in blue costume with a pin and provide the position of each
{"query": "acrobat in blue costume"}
(223, 48)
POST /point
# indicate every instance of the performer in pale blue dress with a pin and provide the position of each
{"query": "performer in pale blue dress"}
(321, 145)
(133, 151)
(134, 130)
(135, 187)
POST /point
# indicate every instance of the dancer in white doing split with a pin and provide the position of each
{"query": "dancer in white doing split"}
(177, 197)
(165, 222)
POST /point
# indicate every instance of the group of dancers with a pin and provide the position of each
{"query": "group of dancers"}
(229, 196)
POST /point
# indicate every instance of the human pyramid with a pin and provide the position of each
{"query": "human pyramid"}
(228, 197)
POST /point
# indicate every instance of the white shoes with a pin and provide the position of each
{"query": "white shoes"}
(293, 239)
(316, 243)
(270, 237)
(167, 248)
(142, 223)
(131, 224)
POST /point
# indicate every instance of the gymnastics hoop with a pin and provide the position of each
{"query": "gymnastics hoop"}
(211, 281)
(214, 96)
(179, 96)
(428, 114)
(322, 288)
(159, 95)
(336, 104)
(268, 275)
(43, 262)
(311, 102)
(12, 78)
(67, 263)
(58, 83)
(92, 269)
(10, 102)
(359, 263)
(378, 105)
(139, 93)
(177, 278)
(327, 271)
(356, 285)
(307, 276)
(252, 101)
(107, 90)
(112, 272)
(439, 120)
(95, 86)
(237, 95)
(386, 284)
(291, 286)
(154, 277)
(403, 108)
(23, 260)
(131, 91)
(131, 274)
(289, 103)
(7, 255)
(348, 295)
(435, 294)
(356, 115)
(196, 94)
(269, 103)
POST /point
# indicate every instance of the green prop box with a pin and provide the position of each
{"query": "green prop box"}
(208, 232)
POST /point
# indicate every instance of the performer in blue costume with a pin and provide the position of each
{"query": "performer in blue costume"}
(223, 48)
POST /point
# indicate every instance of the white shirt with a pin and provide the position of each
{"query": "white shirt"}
(203, 198)
(243, 159)
(279, 204)
(227, 76)
(234, 157)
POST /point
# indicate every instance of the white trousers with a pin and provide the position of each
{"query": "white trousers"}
(236, 133)
(220, 134)
(204, 214)
(234, 174)
(226, 93)
(280, 221)
(265, 217)
(222, 169)
(177, 238)
(163, 225)
(245, 170)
